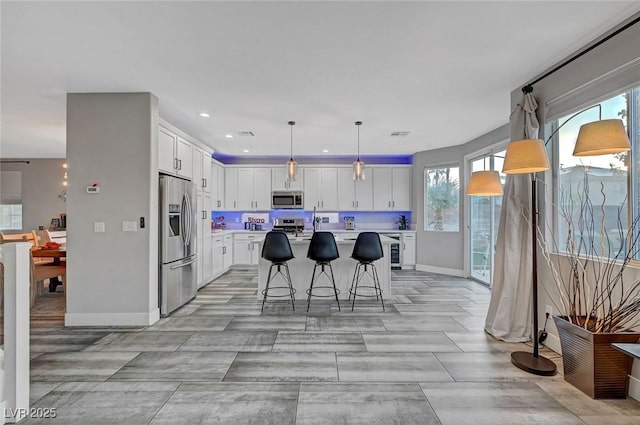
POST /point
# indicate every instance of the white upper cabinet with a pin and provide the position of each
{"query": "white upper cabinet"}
(231, 189)
(248, 189)
(280, 180)
(382, 182)
(185, 159)
(174, 154)
(262, 189)
(354, 195)
(321, 189)
(206, 172)
(392, 188)
(401, 188)
(166, 151)
(346, 190)
(217, 186)
(202, 169)
(198, 180)
(245, 189)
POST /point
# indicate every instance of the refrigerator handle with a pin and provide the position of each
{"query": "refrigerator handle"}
(183, 220)
(178, 266)
(190, 210)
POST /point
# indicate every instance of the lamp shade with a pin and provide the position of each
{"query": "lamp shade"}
(525, 156)
(602, 138)
(484, 183)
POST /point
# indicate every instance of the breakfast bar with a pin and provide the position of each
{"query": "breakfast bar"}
(301, 267)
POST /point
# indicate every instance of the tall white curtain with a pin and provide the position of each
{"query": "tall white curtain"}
(509, 315)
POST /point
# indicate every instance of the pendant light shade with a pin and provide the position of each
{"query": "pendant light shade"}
(292, 165)
(602, 138)
(358, 166)
(525, 156)
(484, 183)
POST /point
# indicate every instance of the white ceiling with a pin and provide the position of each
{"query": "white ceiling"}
(441, 70)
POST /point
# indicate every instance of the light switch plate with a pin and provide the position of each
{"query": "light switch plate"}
(99, 227)
(129, 226)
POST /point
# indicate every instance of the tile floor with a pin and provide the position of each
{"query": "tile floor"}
(218, 360)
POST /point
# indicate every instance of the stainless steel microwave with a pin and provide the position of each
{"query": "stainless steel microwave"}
(287, 200)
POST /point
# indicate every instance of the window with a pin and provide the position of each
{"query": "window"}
(442, 199)
(10, 200)
(10, 216)
(604, 180)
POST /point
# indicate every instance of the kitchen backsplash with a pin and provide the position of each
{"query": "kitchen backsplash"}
(234, 220)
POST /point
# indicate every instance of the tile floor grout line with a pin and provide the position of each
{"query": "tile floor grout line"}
(230, 365)
(429, 402)
(184, 342)
(295, 416)
(165, 402)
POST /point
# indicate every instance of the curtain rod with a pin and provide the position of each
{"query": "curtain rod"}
(529, 87)
(14, 161)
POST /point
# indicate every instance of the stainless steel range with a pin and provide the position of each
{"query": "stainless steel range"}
(289, 225)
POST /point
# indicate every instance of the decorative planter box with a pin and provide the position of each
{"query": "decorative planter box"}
(591, 364)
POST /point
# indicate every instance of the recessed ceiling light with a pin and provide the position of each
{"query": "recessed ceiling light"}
(325, 150)
(204, 114)
(229, 136)
(245, 150)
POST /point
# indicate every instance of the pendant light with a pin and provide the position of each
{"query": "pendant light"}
(292, 165)
(358, 166)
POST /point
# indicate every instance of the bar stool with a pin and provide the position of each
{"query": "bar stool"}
(276, 248)
(366, 250)
(323, 250)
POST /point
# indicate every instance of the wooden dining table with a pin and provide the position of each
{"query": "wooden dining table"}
(57, 255)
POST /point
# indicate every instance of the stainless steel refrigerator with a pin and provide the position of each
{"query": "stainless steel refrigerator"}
(178, 258)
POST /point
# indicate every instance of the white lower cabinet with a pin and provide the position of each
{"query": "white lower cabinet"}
(217, 255)
(227, 252)
(203, 243)
(408, 250)
(244, 251)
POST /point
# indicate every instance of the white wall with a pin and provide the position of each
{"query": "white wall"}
(41, 184)
(112, 277)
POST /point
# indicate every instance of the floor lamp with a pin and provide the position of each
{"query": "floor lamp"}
(529, 157)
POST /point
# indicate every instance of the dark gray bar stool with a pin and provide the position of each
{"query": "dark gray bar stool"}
(366, 250)
(323, 250)
(277, 249)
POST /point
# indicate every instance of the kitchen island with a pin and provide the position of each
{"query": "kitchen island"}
(301, 268)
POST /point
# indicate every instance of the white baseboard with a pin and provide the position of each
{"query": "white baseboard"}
(553, 343)
(112, 319)
(634, 388)
(440, 270)
(412, 267)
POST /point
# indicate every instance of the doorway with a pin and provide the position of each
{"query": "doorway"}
(483, 221)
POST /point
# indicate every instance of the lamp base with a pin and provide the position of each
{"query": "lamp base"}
(536, 365)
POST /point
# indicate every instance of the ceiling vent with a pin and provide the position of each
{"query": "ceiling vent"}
(246, 133)
(400, 134)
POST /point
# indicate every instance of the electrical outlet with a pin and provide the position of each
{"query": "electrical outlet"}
(549, 309)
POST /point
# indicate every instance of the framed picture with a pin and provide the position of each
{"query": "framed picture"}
(55, 223)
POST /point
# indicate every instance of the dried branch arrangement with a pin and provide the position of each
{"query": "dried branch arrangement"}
(590, 264)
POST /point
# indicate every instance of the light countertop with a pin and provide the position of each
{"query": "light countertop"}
(339, 231)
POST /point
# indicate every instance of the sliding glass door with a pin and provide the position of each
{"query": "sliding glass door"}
(483, 222)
